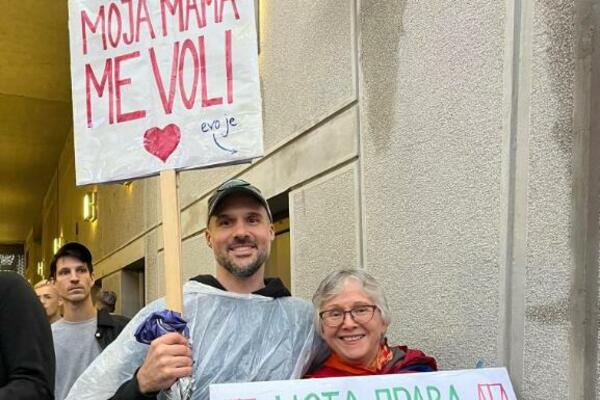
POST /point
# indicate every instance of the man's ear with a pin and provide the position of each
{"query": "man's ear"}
(272, 227)
(208, 237)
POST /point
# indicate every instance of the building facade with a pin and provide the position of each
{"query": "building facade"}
(449, 147)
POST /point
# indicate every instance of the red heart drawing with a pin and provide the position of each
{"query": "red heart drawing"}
(162, 142)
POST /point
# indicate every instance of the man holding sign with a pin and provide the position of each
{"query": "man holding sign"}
(242, 327)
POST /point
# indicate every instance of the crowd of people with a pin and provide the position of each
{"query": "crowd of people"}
(78, 350)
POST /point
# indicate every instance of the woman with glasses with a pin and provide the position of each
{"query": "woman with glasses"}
(352, 316)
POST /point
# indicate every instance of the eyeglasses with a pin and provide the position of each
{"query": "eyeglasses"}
(360, 314)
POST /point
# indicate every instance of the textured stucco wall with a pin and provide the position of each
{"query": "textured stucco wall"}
(431, 133)
(476, 127)
(307, 74)
(549, 188)
(196, 257)
(561, 316)
(324, 228)
(306, 61)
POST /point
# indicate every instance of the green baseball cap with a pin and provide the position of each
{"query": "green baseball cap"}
(235, 186)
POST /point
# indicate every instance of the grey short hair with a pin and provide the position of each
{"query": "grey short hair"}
(107, 299)
(334, 283)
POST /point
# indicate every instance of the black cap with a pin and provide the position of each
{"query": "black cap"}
(236, 186)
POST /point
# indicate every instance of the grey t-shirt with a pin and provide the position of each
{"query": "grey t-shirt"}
(76, 347)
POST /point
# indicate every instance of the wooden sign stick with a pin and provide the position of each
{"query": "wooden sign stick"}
(171, 240)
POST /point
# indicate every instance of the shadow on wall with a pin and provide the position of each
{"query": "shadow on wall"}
(381, 23)
(556, 20)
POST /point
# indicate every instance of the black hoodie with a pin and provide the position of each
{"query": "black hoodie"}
(273, 286)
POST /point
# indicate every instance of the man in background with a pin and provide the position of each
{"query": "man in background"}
(50, 299)
(107, 300)
(83, 332)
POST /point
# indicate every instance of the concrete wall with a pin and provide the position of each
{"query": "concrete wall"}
(432, 153)
(476, 129)
(549, 186)
(448, 147)
(325, 211)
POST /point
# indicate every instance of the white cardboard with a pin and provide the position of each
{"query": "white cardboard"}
(136, 111)
(479, 384)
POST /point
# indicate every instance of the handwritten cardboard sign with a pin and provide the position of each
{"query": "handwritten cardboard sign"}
(480, 384)
(163, 84)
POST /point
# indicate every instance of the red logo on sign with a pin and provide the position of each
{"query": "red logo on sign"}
(162, 142)
(491, 391)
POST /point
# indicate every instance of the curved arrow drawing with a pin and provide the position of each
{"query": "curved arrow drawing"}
(219, 145)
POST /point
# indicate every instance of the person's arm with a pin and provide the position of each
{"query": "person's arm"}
(169, 358)
(26, 346)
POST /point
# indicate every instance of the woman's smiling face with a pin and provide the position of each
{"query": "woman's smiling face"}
(355, 343)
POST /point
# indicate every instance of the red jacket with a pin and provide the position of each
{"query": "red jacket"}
(404, 360)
